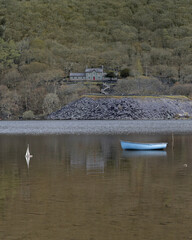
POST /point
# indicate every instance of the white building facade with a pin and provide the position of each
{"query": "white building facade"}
(90, 74)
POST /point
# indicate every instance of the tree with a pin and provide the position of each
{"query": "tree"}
(12, 78)
(2, 26)
(124, 73)
(140, 86)
(182, 89)
(9, 55)
(110, 75)
(10, 105)
(51, 103)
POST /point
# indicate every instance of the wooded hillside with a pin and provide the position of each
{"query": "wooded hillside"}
(42, 40)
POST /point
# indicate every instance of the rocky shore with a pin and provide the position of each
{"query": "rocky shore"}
(135, 108)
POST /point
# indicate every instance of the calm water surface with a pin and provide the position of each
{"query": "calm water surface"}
(84, 187)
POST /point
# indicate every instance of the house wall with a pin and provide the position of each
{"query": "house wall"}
(77, 78)
(91, 75)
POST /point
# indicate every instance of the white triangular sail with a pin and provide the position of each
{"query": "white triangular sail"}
(28, 156)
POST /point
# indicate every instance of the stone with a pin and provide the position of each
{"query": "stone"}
(125, 108)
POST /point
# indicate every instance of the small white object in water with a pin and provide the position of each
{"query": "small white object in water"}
(185, 165)
(28, 156)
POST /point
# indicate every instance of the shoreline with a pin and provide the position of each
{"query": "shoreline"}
(95, 127)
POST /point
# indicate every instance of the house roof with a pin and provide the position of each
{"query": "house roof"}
(98, 70)
(77, 75)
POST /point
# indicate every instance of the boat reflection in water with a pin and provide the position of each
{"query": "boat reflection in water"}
(155, 153)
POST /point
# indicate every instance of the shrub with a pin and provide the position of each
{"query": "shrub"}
(186, 74)
(28, 115)
(34, 67)
(10, 104)
(124, 73)
(51, 103)
(140, 86)
(110, 75)
(182, 89)
(68, 93)
(12, 78)
(165, 71)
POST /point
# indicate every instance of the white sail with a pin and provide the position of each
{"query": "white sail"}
(28, 156)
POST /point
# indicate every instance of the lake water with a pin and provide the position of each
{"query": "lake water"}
(80, 184)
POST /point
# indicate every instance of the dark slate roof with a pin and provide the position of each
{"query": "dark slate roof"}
(98, 70)
(77, 75)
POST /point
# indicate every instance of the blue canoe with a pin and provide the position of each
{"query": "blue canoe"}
(142, 146)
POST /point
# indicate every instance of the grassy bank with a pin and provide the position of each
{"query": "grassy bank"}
(178, 97)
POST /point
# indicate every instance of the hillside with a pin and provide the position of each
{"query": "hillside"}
(41, 41)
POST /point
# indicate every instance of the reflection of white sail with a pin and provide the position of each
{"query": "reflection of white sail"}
(28, 156)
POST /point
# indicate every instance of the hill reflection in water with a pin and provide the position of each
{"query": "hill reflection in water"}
(87, 187)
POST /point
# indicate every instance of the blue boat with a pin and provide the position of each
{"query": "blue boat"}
(142, 146)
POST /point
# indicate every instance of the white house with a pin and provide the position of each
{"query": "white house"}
(92, 74)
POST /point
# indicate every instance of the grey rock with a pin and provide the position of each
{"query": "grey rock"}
(124, 108)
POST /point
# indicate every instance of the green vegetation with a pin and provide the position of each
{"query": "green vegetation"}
(124, 73)
(28, 115)
(42, 40)
(141, 86)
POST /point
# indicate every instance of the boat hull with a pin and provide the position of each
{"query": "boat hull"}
(142, 146)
